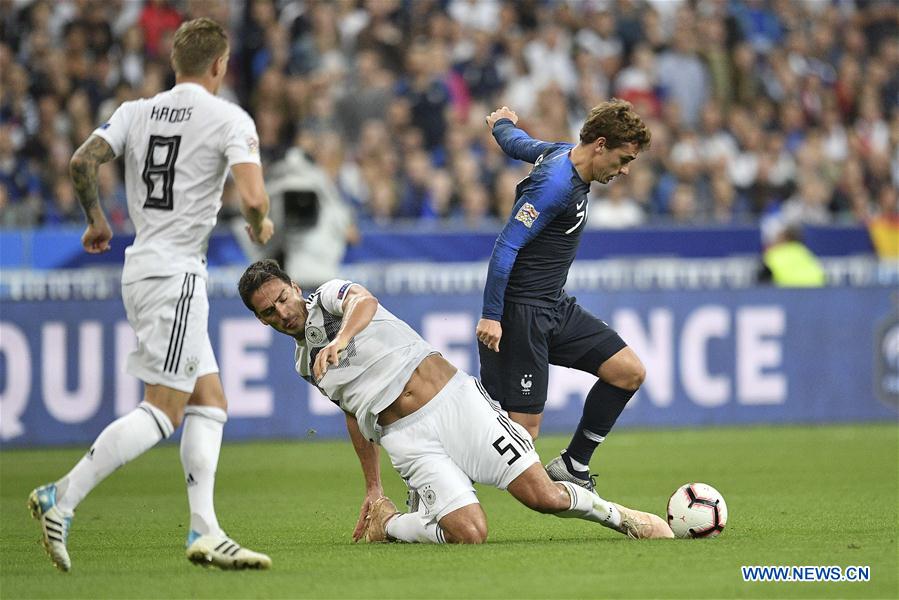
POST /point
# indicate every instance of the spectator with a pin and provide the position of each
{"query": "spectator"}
(615, 209)
(157, 18)
(884, 227)
(787, 261)
(683, 77)
(754, 89)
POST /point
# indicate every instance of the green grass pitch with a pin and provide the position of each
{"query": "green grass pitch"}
(796, 495)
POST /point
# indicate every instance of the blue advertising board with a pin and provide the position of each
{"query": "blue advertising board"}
(712, 357)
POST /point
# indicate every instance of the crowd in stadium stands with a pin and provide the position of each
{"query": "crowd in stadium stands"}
(755, 106)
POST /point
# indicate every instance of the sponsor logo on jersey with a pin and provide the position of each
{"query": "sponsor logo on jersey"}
(253, 145)
(342, 291)
(527, 214)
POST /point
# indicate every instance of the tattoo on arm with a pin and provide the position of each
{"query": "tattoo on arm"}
(83, 170)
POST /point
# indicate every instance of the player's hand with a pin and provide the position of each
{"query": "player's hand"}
(501, 113)
(266, 229)
(329, 355)
(489, 333)
(96, 236)
(363, 515)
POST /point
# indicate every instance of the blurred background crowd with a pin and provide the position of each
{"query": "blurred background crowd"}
(756, 107)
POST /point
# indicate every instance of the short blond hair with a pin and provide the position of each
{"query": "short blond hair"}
(198, 43)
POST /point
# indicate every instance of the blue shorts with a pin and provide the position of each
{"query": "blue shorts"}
(535, 337)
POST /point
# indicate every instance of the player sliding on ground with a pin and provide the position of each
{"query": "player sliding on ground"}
(439, 427)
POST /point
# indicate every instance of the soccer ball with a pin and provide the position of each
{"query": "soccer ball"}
(696, 510)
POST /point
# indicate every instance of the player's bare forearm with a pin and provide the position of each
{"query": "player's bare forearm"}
(254, 202)
(359, 307)
(83, 168)
(368, 454)
(359, 312)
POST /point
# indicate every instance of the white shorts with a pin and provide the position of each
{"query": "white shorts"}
(459, 437)
(169, 316)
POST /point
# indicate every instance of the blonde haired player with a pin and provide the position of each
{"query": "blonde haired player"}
(178, 148)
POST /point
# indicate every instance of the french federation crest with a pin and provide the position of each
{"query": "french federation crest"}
(527, 214)
(886, 360)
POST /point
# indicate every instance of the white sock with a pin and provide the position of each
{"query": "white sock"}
(578, 466)
(123, 440)
(201, 441)
(411, 527)
(590, 507)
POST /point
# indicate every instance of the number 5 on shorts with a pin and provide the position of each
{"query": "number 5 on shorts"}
(508, 447)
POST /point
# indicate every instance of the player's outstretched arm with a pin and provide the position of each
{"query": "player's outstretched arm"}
(501, 113)
(254, 203)
(359, 307)
(83, 168)
(371, 469)
(514, 142)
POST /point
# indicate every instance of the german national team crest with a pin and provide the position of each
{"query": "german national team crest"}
(428, 495)
(315, 335)
(886, 361)
(190, 367)
(527, 214)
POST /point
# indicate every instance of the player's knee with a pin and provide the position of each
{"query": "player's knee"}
(636, 376)
(468, 532)
(174, 412)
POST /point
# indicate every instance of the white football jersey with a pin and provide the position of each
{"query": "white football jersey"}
(178, 147)
(374, 368)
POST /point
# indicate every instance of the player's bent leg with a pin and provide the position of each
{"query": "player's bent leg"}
(624, 370)
(537, 491)
(621, 374)
(534, 489)
(168, 400)
(531, 422)
(633, 523)
(466, 525)
(123, 440)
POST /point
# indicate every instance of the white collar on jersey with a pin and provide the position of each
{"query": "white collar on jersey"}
(190, 85)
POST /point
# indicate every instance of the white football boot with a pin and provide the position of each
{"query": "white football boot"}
(223, 552)
(54, 526)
